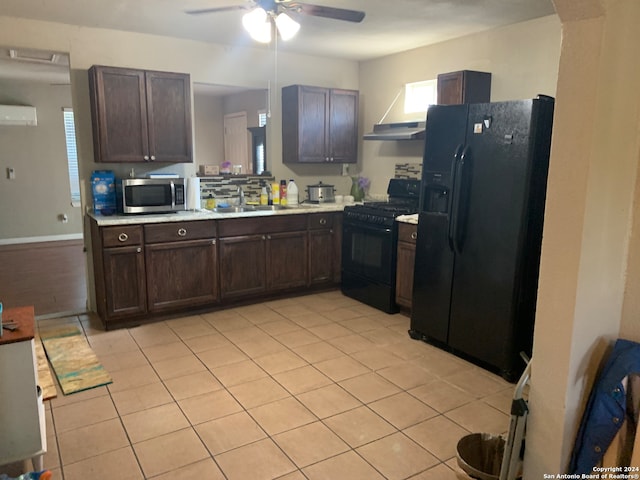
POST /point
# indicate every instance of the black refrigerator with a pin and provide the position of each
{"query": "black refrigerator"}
(480, 228)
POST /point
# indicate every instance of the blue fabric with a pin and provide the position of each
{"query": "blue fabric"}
(606, 408)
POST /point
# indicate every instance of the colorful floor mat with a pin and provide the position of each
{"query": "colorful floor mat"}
(72, 359)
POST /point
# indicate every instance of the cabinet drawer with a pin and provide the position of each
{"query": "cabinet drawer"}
(121, 236)
(171, 232)
(407, 232)
(320, 220)
(234, 227)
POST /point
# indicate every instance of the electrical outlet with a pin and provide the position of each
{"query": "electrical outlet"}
(11, 173)
(345, 169)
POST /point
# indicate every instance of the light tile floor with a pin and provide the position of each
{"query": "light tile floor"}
(313, 387)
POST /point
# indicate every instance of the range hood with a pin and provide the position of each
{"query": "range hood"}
(397, 131)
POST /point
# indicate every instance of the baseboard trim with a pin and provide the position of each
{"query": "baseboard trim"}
(44, 238)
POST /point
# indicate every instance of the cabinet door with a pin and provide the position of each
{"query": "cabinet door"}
(312, 125)
(168, 97)
(242, 265)
(119, 113)
(181, 274)
(465, 86)
(321, 251)
(343, 126)
(337, 247)
(407, 234)
(404, 273)
(286, 260)
(125, 284)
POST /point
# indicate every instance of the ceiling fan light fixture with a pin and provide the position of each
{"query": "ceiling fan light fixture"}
(287, 27)
(257, 23)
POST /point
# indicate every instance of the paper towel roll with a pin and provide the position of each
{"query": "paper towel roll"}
(193, 193)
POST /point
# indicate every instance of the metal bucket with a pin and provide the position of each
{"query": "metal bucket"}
(480, 455)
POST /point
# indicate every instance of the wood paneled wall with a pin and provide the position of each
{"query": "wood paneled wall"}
(51, 276)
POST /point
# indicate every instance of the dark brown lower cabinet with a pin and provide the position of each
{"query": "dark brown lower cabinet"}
(124, 278)
(181, 274)
(242, 265)
(286, 260)
(145, 270)
(254, 264)
(407, 234)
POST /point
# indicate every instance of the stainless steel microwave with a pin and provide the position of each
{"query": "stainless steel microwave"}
(150, 195)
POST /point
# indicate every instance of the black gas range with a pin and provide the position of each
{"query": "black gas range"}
(369, 245)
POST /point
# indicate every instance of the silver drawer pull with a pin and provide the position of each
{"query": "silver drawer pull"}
(213, 242)
(182, 232)
(323, 221)
(138, 250)
(123, 237)
(414, 235)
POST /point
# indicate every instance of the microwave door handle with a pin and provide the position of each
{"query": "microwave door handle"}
(453, 198)
(173, 194)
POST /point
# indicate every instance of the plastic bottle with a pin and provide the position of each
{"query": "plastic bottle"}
(264, 196)
(292, 193)
(275, 192)
(283, 192)
(211, 203)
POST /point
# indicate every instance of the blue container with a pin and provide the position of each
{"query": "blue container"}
(103, 189)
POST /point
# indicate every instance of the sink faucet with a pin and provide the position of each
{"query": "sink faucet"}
(240, 195)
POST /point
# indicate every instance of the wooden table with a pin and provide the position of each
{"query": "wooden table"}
(22, 423)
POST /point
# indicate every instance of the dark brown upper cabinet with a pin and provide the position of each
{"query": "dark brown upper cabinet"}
(140, 116)
(465, 86)
(319, 125)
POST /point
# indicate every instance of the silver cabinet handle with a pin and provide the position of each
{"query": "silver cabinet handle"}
(123, 237)
(182, 232)
(268, 237)
(264, 237)
(153, 157)
(213, 242)
(323, 221)
(146, 158)
(414, 235)
(138, 250)
(331, 231)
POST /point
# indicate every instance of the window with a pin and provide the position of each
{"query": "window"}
(259, 141)
(72, 156)
(419, 95)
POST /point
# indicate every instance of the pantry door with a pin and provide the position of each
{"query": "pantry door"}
(237, 140)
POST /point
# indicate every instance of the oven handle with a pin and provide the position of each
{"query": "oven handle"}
(454, 198)
(359, 226)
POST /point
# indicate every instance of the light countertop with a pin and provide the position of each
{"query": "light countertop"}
(190, 215)
(408, 218)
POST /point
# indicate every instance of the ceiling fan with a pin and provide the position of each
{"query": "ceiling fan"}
(263, 12)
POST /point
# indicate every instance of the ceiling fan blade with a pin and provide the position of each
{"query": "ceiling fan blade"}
(327, 12)
(215, 10)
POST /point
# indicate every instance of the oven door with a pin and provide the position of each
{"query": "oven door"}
(368, 251)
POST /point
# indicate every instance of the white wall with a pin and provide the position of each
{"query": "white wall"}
(208, 126)
(522, 59)
(30, 204)
(588, 293)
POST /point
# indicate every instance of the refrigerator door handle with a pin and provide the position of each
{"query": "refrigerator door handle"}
(463, 176)
(454, 197)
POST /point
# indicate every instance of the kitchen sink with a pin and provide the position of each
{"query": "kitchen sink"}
(231, 209)
(247, 208)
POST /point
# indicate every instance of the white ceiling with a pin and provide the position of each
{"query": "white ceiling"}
(390, 26)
